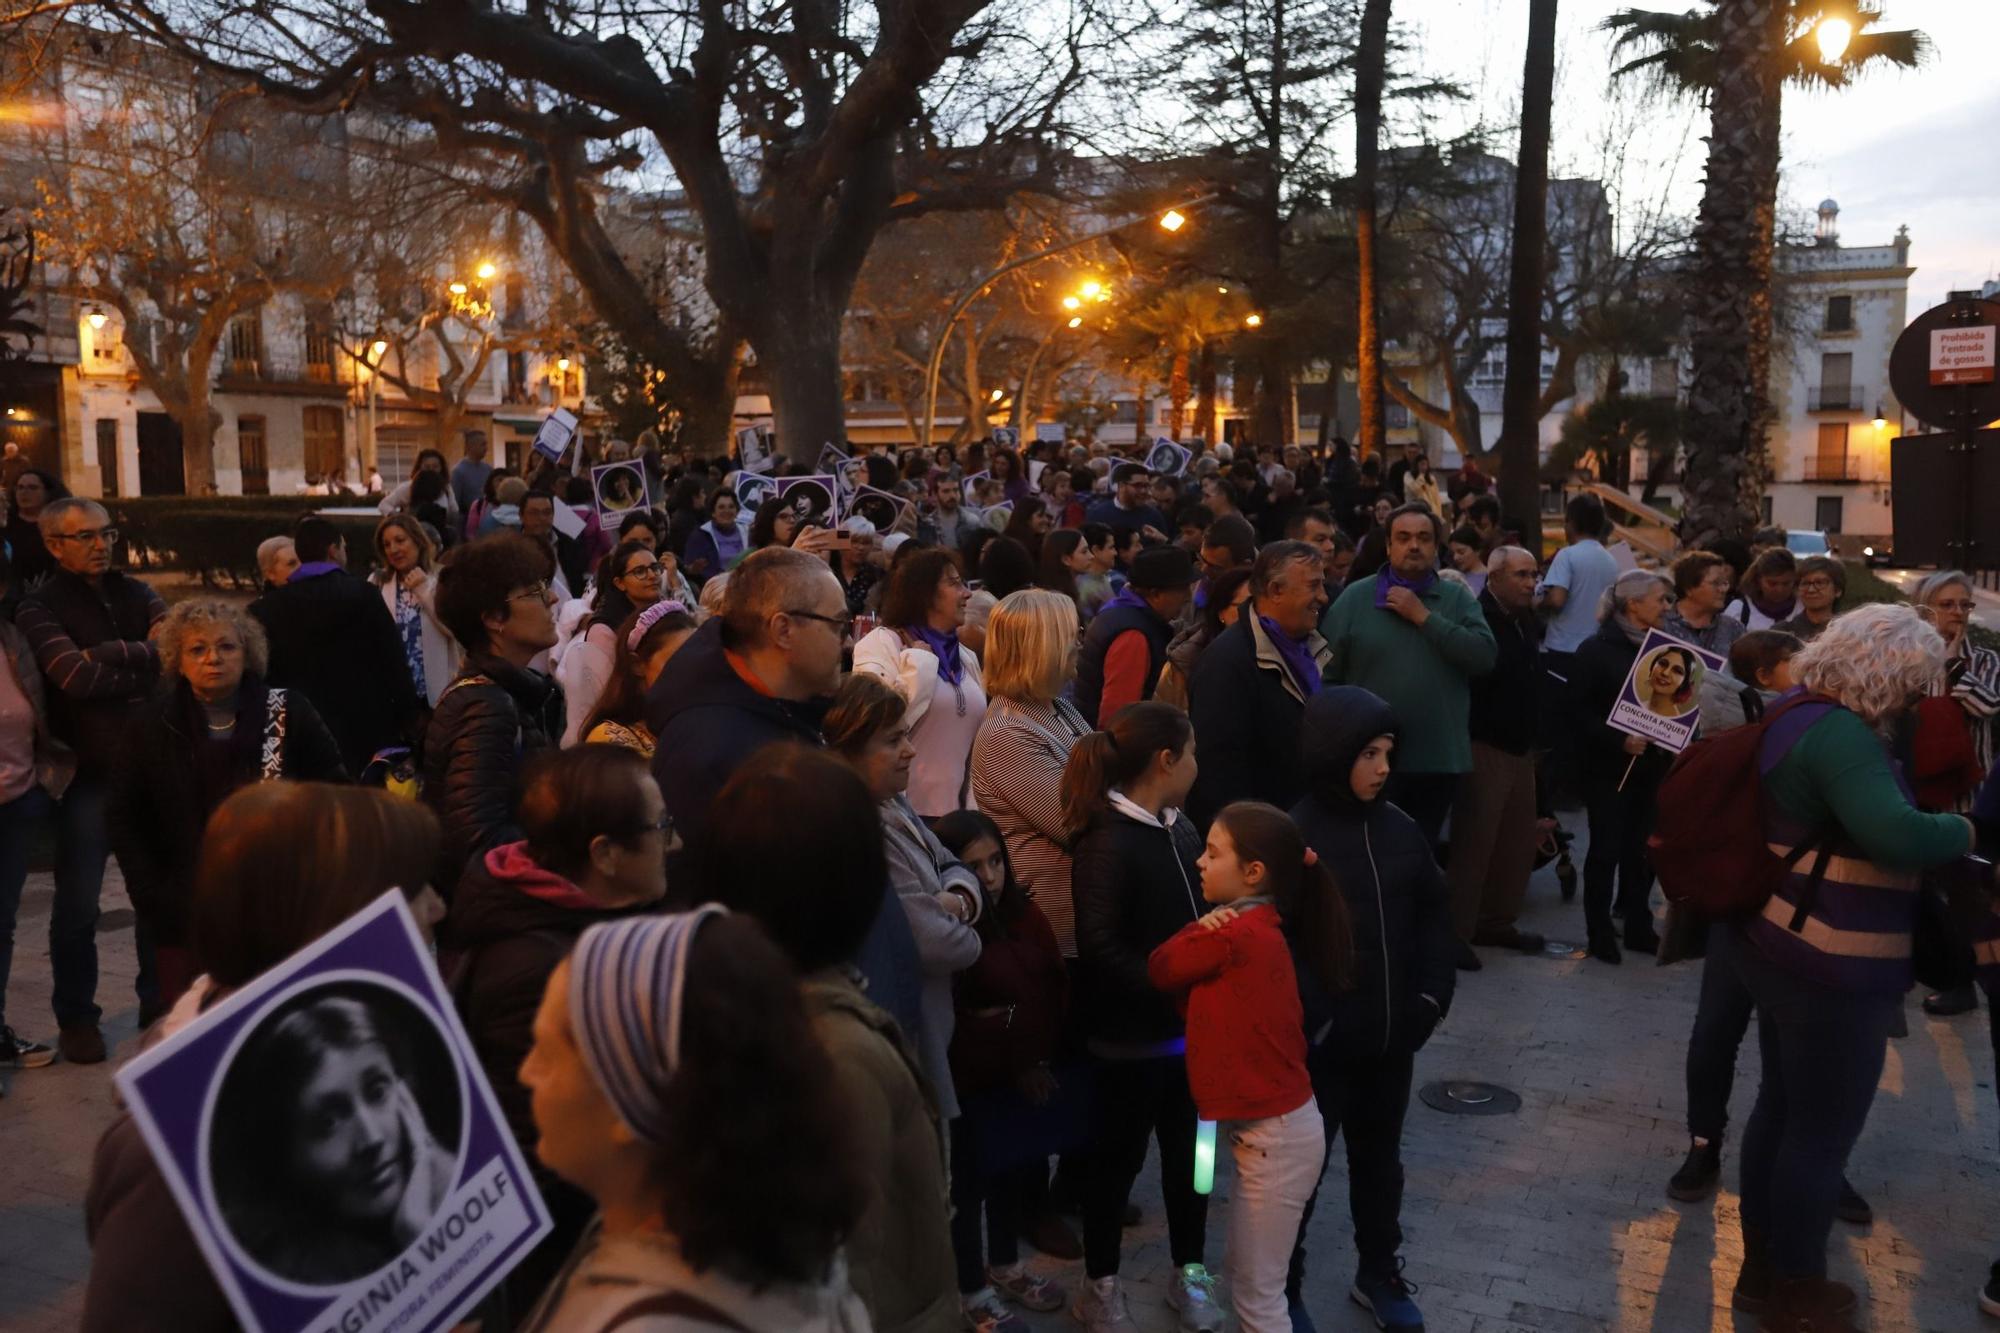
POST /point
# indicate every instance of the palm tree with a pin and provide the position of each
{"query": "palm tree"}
(1182, 323)
(1371, 59)
(1520, 424)
(1737, 55)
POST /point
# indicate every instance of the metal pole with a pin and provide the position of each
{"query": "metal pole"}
(972, 294)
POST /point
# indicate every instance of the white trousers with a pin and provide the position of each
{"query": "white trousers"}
(1278, 1161)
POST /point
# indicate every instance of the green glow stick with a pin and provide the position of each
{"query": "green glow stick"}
(1204, 1156)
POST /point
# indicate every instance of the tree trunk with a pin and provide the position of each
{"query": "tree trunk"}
(1520, 405)
(197, 419)
(1177, 395)
(1371, 58)
(1204, 407)
(1729, 294)
(708, 410)
(800, 356)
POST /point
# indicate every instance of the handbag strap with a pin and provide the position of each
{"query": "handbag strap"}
(1813, 880)
(275, 713)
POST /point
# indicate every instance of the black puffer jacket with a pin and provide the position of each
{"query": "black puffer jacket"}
(488, 722)
(1135, 884)
(160, 802)
(1404, 949)
(1602, 662)
(334, 641)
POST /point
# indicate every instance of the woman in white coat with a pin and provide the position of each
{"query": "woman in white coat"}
(916, 650)
(408, 580)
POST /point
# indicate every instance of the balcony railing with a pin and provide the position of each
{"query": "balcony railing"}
(1833, 469)
(282, 368)
(1835, 398)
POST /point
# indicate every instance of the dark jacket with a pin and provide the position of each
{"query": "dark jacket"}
(147, 1273)
(1010, 1004)
(1106, 626)
(1503, 700)
(1397, 901)
(489, 720)
(333, 639)
(161, 796)
(1136, 885)
(1602, 662)
(1246, 709)
(708, 720)
(100, 667)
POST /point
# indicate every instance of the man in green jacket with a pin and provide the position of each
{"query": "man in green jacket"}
(1416, 640)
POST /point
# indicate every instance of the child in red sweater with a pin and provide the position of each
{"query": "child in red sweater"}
(1246, 1042)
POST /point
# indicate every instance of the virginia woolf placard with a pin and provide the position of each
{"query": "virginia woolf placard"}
(333, 1144)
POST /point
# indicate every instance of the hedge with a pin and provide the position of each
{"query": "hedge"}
(216, 537)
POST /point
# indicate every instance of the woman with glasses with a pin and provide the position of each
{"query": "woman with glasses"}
(408, 582)
(1822, 583)
(627, 583)
(916, 649)
(1702, 580)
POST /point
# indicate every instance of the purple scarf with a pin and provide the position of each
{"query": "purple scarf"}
(1127, 596)
(1298, 658)
(1387, 578)
(951, 667)
(312, 569)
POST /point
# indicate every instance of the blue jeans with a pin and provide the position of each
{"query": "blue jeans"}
(82, 847)
(1720, 1020)
(1823, 1051)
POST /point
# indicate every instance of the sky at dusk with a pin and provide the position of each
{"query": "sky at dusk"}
(1920, 148)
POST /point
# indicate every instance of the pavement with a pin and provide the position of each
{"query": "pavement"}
(1550, 1220)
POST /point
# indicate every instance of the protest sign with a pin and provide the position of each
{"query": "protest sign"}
(1167, 459)
(752, 490)
(970, 487)
(555, 434)
(849, 476)
(753, 450)
(831, 456)
(812, 499)
(882, 508)
(617, 489)
(1051, 432)
(1660, 700)
(1006, 437)
(997, 516)
(332, 1142)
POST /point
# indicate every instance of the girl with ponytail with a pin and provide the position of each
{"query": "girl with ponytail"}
(1134, 880)
(1246, 1033)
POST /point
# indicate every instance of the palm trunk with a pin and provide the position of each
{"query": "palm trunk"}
(1520, 408)
(1177, 394)
(1371, 58)
(1729, 298)
(1204, 405)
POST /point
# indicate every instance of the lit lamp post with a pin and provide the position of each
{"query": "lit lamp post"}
(1170, 221)
(1832, 33)
(377, 349)
(1091, 290)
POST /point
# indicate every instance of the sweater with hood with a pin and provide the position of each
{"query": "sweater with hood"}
(1397, 899)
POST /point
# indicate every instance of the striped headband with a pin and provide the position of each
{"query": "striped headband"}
(666, 606)
(625, 980)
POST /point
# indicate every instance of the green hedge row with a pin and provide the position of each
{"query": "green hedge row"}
(216, 537)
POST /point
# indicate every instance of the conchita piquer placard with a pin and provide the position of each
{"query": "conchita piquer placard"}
(333, 1144)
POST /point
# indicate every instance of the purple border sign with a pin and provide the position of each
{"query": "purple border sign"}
(1660, 700)
(422, 1201)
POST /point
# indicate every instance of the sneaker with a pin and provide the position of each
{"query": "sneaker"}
(1852, 1207)
(21, 1053)
(1989, 1295)
(1192, 1292)
(1950, 1003)
(1388, 1298)
(1100, 1306)
(1023, 1288)
(82, 1044)
(1809, 1305)
(985, 1312)
(1696, 1179)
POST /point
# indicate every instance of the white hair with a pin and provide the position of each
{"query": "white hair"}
(267, 553)
(1629, 588)
(857, 526)
(1874, 660)
(1501, 555)
(1933, 585)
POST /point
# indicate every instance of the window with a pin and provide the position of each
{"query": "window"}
(319, 353)
(1830, 458)
(107, 455)
(1395, 416)
(246, 344)
(1767, 509)
(1839, 314)
(1665, 377)
(251, 453)
(1836, 370)
(326, 455)
(1826, 513)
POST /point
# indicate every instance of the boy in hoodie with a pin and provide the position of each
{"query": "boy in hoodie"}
(1365, 1039)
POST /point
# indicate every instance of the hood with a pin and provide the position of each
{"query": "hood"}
(699, 676)
(1339, 722)
(504, 894)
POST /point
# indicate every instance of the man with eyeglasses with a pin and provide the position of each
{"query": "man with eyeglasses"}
(91, 629)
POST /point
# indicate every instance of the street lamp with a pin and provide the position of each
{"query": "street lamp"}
(1833, 34)
(378, 349)
(1881, 418)
(487, 271)
(1075, 321)
(562, 364)
(1252, 321)
(457, 289)
(1172, 220)
(1072, 302)
(98, 319)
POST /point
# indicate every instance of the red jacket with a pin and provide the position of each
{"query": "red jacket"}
(1246, 1037)
(1010, 1004)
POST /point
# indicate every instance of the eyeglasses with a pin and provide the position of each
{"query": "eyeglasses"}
(842, 625)
(651, 571)
(1953, 606)
(538, 592)
(89, 537)
(1821, 584)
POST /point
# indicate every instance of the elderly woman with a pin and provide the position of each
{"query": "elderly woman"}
(277, 560)
(1827, 963)
(917, 650)
(1024, 744)
(720, 541)
(218, 727)
(868, 726)
(1702, 580)
(1621, 773)
(408, 580)
(1822, 583)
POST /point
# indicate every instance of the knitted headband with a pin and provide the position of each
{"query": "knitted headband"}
(625, 981)
(650, 617)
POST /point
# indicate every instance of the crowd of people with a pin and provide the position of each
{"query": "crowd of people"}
(1077, 809)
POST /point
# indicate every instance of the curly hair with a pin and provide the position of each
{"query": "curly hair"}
(1874, 660)
(205, 611)
(479, 577)
(776, 1187)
